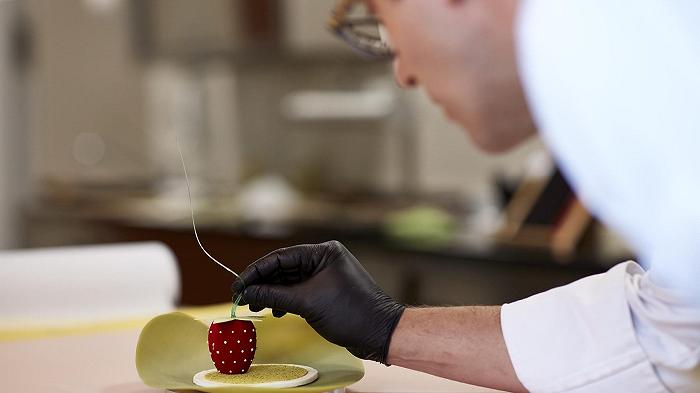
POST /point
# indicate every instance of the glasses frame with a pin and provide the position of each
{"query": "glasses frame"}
(344, 27)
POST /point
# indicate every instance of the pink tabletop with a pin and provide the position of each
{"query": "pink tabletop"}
(104, 362)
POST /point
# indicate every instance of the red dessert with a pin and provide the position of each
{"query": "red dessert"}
(232, 345)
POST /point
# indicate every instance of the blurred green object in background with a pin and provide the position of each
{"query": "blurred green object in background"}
(423, 226)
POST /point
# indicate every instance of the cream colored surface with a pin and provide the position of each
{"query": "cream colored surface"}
(103, 361)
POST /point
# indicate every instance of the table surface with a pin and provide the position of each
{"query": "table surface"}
(101, 359)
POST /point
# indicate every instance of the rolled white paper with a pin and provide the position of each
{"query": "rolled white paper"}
(59, 286)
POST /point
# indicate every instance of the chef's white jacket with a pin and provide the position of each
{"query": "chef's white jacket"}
(615, 89)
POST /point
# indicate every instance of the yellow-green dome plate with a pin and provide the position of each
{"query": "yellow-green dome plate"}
(172, 348)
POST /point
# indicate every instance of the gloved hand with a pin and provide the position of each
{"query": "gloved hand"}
(328, 287)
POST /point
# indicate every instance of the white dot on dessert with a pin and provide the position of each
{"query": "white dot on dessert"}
(234, 361)
(210, 331)
(251, 349)
(242, 370)
(238, 341)
(244, 330)
(217, 352)
(225, 342)
(241, 351)
(250, 340)
(219, 331)
(230, 351)
(222, 362)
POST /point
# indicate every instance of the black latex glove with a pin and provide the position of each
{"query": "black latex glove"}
(326, 285)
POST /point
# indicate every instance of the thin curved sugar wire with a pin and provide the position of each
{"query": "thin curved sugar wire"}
(196, 234)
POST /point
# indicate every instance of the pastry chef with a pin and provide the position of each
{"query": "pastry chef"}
(613, 88)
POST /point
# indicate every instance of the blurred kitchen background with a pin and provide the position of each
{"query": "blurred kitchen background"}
(289, 137)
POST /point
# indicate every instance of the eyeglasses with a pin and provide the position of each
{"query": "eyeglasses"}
(352, 22)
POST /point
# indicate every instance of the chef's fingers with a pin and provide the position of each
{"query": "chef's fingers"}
(277, 297)
(278, 313)
(284, 266)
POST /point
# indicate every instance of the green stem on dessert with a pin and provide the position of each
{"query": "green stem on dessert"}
(235, 304)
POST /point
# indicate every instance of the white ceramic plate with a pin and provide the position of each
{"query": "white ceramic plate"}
(311, 375)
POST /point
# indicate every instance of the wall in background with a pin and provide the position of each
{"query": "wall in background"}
(86, 106)
(89, 94)
(11, 154)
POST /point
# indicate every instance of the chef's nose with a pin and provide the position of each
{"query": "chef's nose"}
(403, 78)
